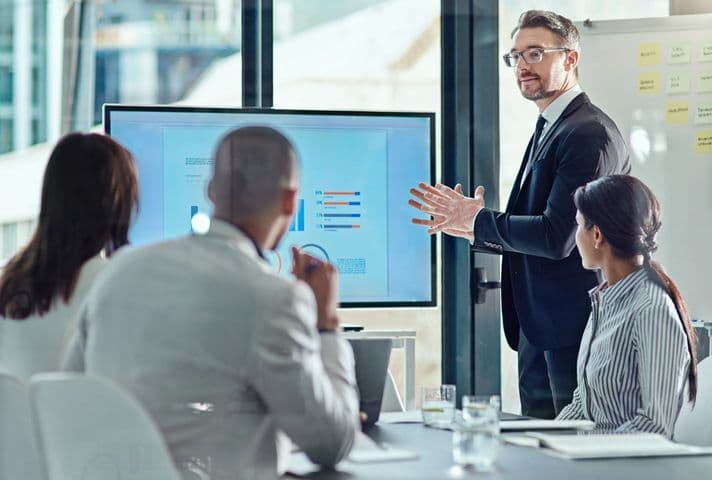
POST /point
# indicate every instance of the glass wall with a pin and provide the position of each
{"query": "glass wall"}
(366, 55)
(518, 115)
(56, 72)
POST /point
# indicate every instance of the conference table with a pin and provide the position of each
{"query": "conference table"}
(434, 449)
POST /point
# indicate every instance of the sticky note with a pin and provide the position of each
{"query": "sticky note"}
(704, 81)
(703, 142)
(649, 54)
(678, 83)
(703, 113)
(648, 83)
(679, 53)
(676, 113)
(706, 52)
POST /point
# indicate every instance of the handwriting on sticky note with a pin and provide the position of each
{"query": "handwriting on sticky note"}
(706, 52)
(648, 83)
(703, 113)
(703, 142)
(679, 53)
(676, 113)
(649, 54)
(704, 82)
(678, 82)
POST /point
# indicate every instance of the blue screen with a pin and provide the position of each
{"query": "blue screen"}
(356, 170)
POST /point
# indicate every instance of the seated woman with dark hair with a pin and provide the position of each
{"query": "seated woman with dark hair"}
(639, 347)
(89, 194)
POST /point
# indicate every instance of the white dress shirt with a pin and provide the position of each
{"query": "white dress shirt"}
(37, 343)
(224, 353)
(551, 114)
(633, 360)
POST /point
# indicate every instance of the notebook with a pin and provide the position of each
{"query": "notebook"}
(614, 445)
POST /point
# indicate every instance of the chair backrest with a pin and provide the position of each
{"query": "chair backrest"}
(19, 450)
(90, 429)
(694, 425)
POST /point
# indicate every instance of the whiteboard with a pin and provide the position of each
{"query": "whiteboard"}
(654, 78)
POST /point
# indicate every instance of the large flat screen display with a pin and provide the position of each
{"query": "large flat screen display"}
(356, 170)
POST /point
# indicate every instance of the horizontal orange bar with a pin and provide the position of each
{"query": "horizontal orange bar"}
(336, 203)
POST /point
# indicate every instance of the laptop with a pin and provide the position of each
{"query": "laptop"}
(372, 356)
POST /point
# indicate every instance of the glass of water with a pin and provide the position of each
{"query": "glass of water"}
(476, 438)
(438, 405)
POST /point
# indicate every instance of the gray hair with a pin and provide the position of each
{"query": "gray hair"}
(252, 167)
(559, 25)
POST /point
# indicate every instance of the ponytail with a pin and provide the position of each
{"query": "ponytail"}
(657, 274)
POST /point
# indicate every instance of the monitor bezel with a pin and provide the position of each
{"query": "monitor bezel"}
(108, 108)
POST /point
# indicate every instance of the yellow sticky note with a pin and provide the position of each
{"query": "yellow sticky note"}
(648, 83)
(706, 52)
(704, 81)
(678, 83)
(679, 53)
(703, 113)
(676, 113)
(703, 142)
(649, 54)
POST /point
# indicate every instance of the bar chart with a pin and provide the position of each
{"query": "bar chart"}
(339, 210)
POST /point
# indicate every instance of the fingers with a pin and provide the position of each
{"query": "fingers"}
(480, 193)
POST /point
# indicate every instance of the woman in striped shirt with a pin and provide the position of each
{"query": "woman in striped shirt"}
(639, 347)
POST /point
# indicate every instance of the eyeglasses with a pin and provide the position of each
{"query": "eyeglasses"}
(530, 55)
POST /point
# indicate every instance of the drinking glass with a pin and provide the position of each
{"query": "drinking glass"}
(438, 405)
(475, 440)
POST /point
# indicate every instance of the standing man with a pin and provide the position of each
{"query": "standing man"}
(225, 354)
(545, 302)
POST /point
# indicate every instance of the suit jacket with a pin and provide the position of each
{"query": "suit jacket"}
(544, 286)
(223, 352)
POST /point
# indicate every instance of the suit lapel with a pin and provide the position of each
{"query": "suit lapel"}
(548, 136)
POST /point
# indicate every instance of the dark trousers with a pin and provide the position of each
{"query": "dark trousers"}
(547, 378)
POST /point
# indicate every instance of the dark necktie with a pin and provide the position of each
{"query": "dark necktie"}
(540, 122)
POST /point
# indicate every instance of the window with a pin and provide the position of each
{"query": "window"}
(366, 55)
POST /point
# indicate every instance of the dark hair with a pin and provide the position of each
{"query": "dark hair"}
(89, 193)
(628, 215)
(559, 25)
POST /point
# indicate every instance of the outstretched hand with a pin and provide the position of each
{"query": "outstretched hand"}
(450, 210)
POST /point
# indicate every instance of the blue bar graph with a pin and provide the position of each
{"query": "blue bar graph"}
(297, 224)
(343, 215)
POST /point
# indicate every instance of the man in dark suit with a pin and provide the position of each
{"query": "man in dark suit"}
(545, 303)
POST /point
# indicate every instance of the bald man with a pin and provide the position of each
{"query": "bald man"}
(227, 355)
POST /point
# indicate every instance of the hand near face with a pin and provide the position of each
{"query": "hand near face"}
(451, 211)
(323, 279)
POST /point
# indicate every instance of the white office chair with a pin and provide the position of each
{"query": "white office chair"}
(90, 429)
(694, 426)
(20, 457)
(391, 399)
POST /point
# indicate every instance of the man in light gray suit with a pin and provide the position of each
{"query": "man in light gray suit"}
(227, 355)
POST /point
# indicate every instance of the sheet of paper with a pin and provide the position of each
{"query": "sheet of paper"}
(703, 142)
(367, 451)
(703, 113)
(649, 54)
(704, 81)
(648, 83)
(679, 53)
(706, 52)
(411, 416)
(678, 82)
(615, 445)
(677, 113)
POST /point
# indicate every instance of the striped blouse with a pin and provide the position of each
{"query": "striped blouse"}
(633, 362)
